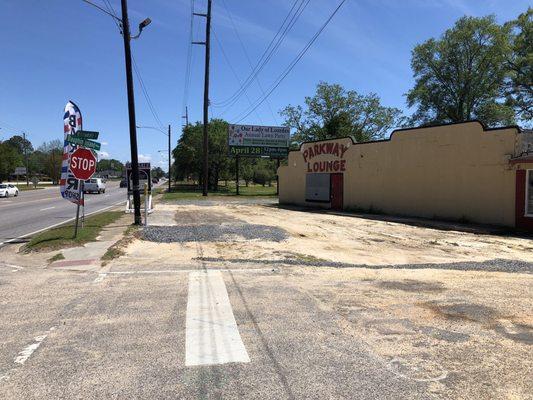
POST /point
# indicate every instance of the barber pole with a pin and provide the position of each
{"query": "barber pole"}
(69, 185)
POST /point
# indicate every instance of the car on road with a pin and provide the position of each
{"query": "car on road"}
(7, 189)
(155, 180)
(123, 183)
(94, 185)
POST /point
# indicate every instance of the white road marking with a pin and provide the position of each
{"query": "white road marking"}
(47, 208)
(188, 271)
(211, 333)
(100, 278)
(58, 224)
(28, 351)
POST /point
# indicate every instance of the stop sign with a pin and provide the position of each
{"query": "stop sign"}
(82, 163)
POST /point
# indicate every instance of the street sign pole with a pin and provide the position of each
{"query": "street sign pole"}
(237, 173)
(78, 209)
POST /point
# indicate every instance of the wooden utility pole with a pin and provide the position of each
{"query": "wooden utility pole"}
(206, 95)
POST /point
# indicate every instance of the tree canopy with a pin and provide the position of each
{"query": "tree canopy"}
(478, 69)
(336, 112)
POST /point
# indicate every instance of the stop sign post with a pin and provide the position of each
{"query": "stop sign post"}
(82, 163)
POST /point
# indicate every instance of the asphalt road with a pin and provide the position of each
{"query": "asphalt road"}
(35, 210)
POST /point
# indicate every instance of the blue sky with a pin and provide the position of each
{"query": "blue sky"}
(56, 50)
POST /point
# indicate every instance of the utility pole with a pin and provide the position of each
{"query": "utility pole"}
(206, 94)
(131, 110)
(186, 116)
(26, 158)
(169, 160)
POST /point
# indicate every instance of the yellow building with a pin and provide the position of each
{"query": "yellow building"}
(460, 171)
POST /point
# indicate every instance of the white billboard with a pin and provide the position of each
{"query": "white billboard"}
(260, 136)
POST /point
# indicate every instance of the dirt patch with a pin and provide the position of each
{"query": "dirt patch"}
(463, 311)
(411, 285)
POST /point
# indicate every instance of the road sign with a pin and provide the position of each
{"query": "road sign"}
(83, 142)
(83, 163)
(20, 171)
(87, 134)
(144, 176)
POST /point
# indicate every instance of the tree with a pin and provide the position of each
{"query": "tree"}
(110, 164)
(158, 172)
(518, 87)
(51, 159)
(188, 154)
(336, 112)
(9, 160)
(460, 76)
(20, 144)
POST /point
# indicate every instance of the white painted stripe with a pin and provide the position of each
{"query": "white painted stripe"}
(100, 278)
(28, 351)
(58, 224)
(211, 336)
(187, 271)
(47, 208)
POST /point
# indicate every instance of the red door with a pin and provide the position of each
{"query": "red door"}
(337, 191)
(522, 220)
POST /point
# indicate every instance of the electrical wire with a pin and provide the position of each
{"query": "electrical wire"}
(274, 44)
(188, 62)
(145, 93)
(289, 68)
(243, 47)
(233, 71)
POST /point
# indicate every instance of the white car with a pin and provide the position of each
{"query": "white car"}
(94, 185)
(7, 189)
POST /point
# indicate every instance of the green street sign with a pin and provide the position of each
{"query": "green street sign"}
(87, 134)
(83, 142)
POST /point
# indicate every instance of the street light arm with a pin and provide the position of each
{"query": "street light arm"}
(142, 25)
(152, 127)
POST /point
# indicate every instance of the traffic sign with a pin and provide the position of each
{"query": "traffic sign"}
(82, 163)
(83, 142)
(87, 134)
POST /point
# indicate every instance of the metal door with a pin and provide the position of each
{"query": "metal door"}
(337, 191)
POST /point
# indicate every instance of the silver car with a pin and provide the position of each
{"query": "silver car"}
(94, 185)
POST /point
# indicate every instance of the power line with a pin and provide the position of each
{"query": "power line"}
(189, 62)
(233, 71)
(145, 93)
(274, 44)
(295, 61)
(247, 57)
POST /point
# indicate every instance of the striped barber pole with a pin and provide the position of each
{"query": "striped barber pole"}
(72, 123)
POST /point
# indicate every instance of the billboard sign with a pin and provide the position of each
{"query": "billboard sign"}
(20, 171)
(144, 177)
(255, 140)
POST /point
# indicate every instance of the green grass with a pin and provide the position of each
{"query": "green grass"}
(23, 187)
(57, 257)
(192, 191)
(63, 236)
(117, 249)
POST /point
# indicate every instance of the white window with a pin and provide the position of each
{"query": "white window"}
(529, 193)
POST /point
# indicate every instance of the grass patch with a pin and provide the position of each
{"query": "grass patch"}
(63, 236)
(31, 187)
(117, 249)
(57, 257)
(184, 191)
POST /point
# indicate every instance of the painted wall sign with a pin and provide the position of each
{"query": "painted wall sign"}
(331, 149)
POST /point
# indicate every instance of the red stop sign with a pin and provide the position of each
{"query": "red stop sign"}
(82, 163)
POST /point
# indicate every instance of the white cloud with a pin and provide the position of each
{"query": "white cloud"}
(145, 157)
(105, 143)
(103, 154)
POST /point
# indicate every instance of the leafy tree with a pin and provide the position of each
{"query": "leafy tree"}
(336, 112)
(188, 154)
(110, 164)
(9, 160)
(157, 172)
(51, 159)
(19, 143)
(519, 83)
(460, 75)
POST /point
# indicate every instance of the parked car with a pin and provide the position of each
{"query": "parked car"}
(94, 185)
(155, 180)
(123, 183)
(7, 189)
